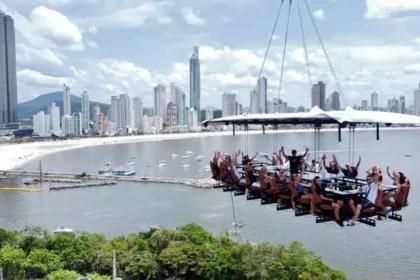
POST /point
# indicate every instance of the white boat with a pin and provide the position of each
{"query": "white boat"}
(106, 163)
(190, 152)
(132, 157)
(174, 155)
(162, 161)
(186, 165)
(184, 157)
(131, 163)
(161, 164)
(62, 229)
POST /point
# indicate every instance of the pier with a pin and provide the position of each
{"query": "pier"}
(87, 185)
(196, 183)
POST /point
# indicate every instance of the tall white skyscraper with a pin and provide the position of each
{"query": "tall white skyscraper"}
(39, 123)
(262, 91)
(195, 82)
(66, 101)
(54, 112)
(126, 117)
(8, 84)
(160, 101)
(114, 117)
(96, 112)
(183, 109)
(138, 113)
(228, 104)
(85, 111)
(209, 113)
(77, 123)
(67, 125)
(417, 101)
(254, 101)
(374, 101)
(173, 92)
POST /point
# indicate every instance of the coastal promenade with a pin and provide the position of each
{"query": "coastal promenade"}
(203, 183)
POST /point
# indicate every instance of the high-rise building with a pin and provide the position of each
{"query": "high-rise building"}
(192, 117)
(66, 101)
(77, 123)
(8, 84)
(96, 112)
(54, 112)
(417, 101)
(262, 94)
(173, 91)
(374, 101)
(195, 82)
(401, 104)
(364, 105)
(67, 125)
(228, 104)
(209, 113)
(85, 111)
(318, 95)
(160, 101)
(126, 117)
(114, 116)
(254, 101)
(180, 107)
(171, 114)
(138, 113)
(335, 101)
(40, 124)
(184, 109)
(238, 108)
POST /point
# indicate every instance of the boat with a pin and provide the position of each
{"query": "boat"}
(199, 159)
(186, 165)
(61, 229)
(407, 155)
(161, 164)
(132, 157)
(174, 155)
(184, 157)
(127, 172)
(106, 163)
(162, 161)
(190, 152)
(131, 163)
(32, 182)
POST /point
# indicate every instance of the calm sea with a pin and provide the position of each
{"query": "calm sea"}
(388, 251)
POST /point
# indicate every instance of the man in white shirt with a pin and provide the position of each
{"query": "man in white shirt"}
(367, 199)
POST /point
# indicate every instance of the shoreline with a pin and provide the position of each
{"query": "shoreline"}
(15, 155)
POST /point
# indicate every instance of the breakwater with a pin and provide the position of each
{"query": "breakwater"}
(204, 183)
(86, 185)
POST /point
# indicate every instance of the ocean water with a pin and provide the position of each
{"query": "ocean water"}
(363, 252)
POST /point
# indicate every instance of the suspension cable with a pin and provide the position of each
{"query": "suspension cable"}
(308, 68)
(326, 55)
(353, 145)
(284, 48)
(271, 38)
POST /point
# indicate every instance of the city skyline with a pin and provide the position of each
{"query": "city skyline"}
(83, 55)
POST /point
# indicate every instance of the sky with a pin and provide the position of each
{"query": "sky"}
(108, 47)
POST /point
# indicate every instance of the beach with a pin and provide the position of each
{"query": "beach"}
(13, 156)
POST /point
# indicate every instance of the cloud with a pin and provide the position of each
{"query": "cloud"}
(380, 9)
(412, 69)
(31, 56)
(319, 14)
(192, 18)
(131, 16)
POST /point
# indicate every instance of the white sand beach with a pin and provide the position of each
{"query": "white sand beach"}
(12, 156)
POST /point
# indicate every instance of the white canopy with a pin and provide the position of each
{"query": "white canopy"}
(316, 115)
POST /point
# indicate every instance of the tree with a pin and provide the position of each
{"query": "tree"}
(40, 262)
(11, 261)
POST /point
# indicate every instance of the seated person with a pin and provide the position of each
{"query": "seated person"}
(272, 187)
(375, 170)
(246, 159)
(225, 172)
(294, 160)
(299, 190)
(283, 184)
(273, 159)
(399, 179)
(349, 171)
(367, 198)
(332, 167)
(336, 204)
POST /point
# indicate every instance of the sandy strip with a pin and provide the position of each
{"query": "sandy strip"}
(13, 156)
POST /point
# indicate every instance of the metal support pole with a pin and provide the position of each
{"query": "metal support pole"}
(263, 129)
(377, 131)
(233, 129)
(339, 132)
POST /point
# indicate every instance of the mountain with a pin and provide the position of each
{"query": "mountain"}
(29, 108)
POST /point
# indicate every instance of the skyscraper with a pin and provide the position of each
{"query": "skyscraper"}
(417, 101)
(228, 104)
(374, 101)
(262, 90)
(160, 101)
(195, 82)
(85, 111)
(318, 95)
(66, 101)
(335, 101)
(8, 84)
(138, 113)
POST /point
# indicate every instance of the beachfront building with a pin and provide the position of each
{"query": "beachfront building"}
(77, 123)
(195, 82)
(8, 83)
(54, 112)
(228, 104)
(66, 101)
(138, 113)
(41, 124)
(85, 111)
(67, 126)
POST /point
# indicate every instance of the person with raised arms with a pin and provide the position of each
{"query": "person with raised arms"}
(294, 160)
